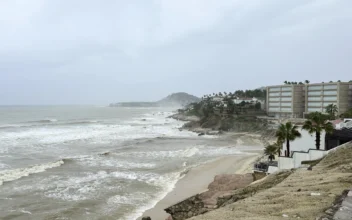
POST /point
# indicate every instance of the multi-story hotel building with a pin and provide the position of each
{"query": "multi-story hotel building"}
(295, 101)
(285, 101)
(320, 95)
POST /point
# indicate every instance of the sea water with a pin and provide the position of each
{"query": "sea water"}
(92, 162)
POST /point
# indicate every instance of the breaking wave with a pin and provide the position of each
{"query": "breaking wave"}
(14, 174)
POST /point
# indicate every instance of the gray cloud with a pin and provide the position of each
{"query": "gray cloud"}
(82, 52)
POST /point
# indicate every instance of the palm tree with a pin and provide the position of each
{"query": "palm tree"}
(270, 151)
(331, 110)
(285, 82)
(339, 81)
(317, 123)
(307, 81)
(287, 132)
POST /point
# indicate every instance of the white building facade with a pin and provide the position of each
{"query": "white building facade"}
(285, 101)
(319, 96)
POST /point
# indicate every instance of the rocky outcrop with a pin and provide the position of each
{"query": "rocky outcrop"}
(183, 117)
(201, 203)
(188, 208)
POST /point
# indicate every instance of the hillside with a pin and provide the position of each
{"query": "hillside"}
(305, 194)
(179, 99)
(175, 99)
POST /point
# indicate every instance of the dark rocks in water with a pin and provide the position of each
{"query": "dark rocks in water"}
(104, 154)
(146, 218)
(201, 134)
(144, 119)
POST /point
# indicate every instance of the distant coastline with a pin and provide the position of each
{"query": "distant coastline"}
(175, 99)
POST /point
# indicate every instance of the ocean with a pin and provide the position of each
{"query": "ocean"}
(94, 162)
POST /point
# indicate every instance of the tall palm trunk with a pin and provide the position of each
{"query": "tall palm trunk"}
(288, 147)
(317, 140)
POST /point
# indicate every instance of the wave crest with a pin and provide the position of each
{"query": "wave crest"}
(14, 174)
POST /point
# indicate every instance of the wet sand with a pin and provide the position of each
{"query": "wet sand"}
(198, 179)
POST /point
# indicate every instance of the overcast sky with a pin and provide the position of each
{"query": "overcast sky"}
(97, 52)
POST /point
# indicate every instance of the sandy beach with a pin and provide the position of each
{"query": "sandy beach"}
(198, 179)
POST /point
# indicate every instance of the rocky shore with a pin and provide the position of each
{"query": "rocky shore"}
(216, 125)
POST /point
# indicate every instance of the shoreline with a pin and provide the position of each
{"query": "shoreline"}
(198, 178)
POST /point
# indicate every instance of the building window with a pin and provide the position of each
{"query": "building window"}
(314, 98)
(274, 99)
(328, 103)
(314, 88)
(274, 109)
(286, 109)
(286, 89)
(274, 104)
(286, 104)
(274, 89)
(314, 93)
(330, 92)
(330, 98)
(316, 104)
(330, 87)
(286, 99)
(274, 94)
(314, 109)
(286, 93)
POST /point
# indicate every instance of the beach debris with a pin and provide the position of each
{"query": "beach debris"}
(201, 134)
(146, 218)
(284, 215)
(315, 194)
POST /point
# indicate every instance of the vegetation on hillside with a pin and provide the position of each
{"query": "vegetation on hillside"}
(227, 111)
(257, 93)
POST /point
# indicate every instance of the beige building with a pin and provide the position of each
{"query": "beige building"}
(286, 101)
(320, 95)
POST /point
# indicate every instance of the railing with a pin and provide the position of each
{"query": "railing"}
(263, 166)
(348, 124)
(344, 125)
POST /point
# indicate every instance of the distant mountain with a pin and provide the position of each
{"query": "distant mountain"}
(180, 99)
(175, 99)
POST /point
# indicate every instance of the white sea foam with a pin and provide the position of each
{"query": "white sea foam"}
(88, 186)
(96, 133)
(10, 175)
(98, 161)
(75, 188)
(143, 201)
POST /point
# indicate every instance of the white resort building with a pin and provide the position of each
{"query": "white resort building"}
(320, 95)
(285, 101)
(295, 101)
